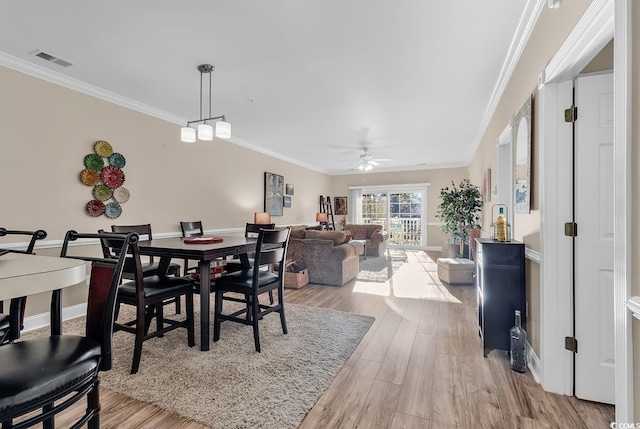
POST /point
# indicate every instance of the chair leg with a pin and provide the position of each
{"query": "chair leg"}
(282, 318)
(255, 319)
(93, 404)
(191, 338)
(216, 315)
(50, 423)
(159, 318)
(178, 305)
(140, 330)
(271, 297)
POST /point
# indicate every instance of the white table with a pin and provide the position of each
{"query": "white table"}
(22, 275)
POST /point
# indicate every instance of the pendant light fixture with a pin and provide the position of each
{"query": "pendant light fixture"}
(205, 131)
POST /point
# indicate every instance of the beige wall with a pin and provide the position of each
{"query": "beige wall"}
(549, 33)
(438, 178)
(46, 130)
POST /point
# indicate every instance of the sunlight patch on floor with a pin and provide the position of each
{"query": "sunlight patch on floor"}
(413, 281)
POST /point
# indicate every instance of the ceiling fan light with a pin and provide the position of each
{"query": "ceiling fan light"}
(188, 134)
(223, 129)
(368, 167)
(205, 132)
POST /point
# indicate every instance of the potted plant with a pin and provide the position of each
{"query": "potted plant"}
(459, 211)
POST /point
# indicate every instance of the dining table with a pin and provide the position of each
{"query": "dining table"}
(204, 251)
(26, 274)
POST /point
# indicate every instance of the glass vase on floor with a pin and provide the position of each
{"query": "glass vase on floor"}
(518, 346)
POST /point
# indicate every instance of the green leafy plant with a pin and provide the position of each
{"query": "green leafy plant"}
(460, 210)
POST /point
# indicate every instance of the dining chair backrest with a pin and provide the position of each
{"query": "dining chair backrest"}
(143, 231)
(253, 229)
(271, 248)
(21, 302)
(192, 229)
(38, 234)
(106, 276)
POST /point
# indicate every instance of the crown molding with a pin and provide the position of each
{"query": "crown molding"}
(528, 20)
(39, 72)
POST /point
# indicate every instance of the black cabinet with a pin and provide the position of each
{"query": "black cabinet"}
(501, 290)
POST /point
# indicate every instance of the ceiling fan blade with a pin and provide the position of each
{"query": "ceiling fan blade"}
(374, 163)
(383, 159)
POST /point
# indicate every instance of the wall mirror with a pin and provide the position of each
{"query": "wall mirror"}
(522, 170)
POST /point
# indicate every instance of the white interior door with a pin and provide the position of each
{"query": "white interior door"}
(594, 287)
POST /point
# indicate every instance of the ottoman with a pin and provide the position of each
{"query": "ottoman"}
(456, 270)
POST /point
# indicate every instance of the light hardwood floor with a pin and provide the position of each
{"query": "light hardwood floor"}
(419, 366)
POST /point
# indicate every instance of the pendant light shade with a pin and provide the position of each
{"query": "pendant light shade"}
(188, 135)
(205, 131)
(223, 129)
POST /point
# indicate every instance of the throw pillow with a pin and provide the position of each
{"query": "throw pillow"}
(375, 231)
(347, 236)
(360, 234)
(297, 233)
(336, 236)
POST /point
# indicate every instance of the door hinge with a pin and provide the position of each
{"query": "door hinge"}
(571, 229)
(571, 114)
(571, 344)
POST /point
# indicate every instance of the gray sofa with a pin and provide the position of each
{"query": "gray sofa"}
(330, 261)
(376, 239)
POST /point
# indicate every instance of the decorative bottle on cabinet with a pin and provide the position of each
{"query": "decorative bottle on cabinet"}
(502, 226)
(518, 346)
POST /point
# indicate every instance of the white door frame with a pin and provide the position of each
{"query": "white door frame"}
(594, 30)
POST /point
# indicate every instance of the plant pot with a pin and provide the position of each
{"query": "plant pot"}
(454, 250)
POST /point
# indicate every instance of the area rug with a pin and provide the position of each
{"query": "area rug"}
(381, 268)
(233, 386)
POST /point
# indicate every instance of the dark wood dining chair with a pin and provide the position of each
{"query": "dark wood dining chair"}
(250, 230)
(11, 324)
(149, 267)
(271, 248)
(148, 295)
(191, 229)
(41, 377)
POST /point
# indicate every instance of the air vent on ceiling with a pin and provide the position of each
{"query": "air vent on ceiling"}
(51, 58)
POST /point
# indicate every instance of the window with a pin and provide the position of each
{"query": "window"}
(400, 210)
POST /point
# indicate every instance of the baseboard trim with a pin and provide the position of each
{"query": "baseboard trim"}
(534, 363)
(43, 320)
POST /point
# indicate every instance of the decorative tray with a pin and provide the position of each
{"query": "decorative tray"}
(112, 176)
(121, 194)
(202, 240)
(103, 148)
(112, 210)
(89, 177)
(117, 160)
(93, 162)
(95, 208)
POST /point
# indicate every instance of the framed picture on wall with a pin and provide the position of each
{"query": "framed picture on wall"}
(289, 189)
(273, 194)
(486, 186)
(522, 167)
(340, 205)
(287, 201)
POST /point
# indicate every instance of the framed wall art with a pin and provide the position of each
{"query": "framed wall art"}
(273, 194)
(287, 201)
(340, 205)
(486, 186)
(289, 189)
(522, 170)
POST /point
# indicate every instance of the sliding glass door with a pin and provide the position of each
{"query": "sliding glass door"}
(399, 211)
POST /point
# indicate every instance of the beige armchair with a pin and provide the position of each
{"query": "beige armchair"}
(376, 239)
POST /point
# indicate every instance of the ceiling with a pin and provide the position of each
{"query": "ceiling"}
(309, 81)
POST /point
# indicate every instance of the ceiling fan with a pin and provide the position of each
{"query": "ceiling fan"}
(366, 162)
